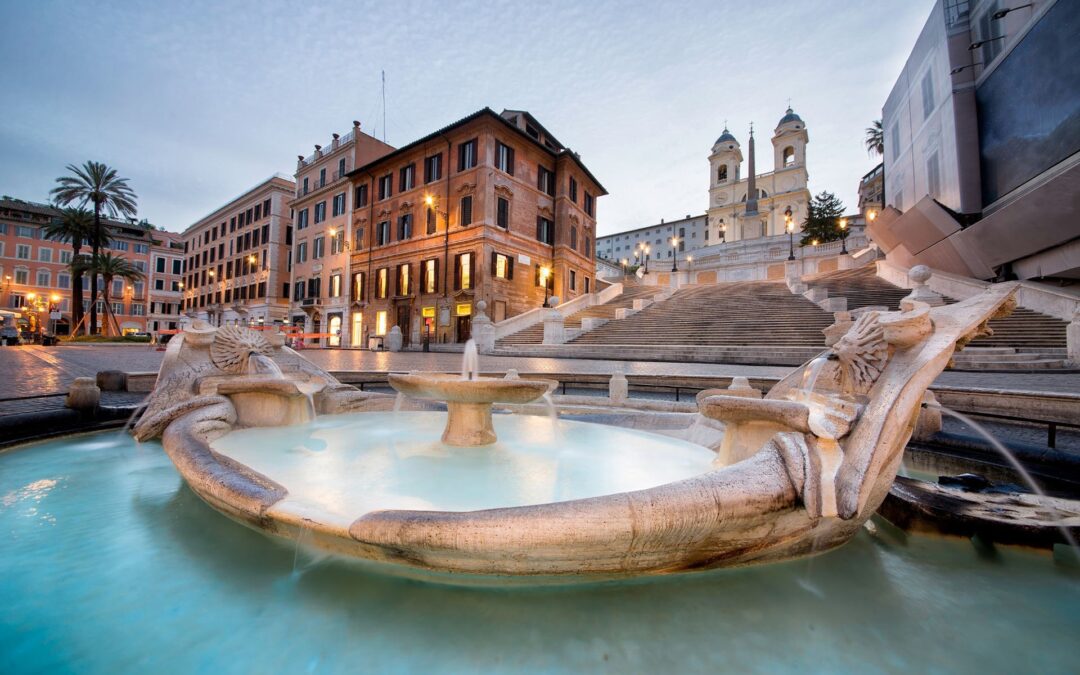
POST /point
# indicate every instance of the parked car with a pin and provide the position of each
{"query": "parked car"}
(9, 336)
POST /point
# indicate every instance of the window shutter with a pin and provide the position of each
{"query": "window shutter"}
(494, 262)
(509, 267)
(457, 272)
(539, 230)
(472, 271)
(510, 159)
(536, 275)
(436, 275)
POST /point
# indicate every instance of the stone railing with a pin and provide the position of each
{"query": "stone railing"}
(534, 316)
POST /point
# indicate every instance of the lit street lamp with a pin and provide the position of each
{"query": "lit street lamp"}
(674, 254)
(790, 226)
(545, 274)
(646, 251)
(843, 235)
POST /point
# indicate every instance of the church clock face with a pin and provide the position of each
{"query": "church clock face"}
(721, 199)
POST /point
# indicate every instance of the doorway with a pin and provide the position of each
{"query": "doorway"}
(357, 335)
(464, 328)
(335, 331)
(404, 323)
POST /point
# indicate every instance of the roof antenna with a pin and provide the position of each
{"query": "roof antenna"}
(384, 106)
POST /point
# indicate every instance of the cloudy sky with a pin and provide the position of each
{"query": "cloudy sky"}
(197, 101)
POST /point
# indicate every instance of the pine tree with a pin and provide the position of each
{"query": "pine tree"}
(822, 216)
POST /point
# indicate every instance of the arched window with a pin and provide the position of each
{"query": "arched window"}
(721, 173)
(789, 156)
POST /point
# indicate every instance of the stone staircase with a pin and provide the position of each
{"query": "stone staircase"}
(632, 290)
(1024, 340)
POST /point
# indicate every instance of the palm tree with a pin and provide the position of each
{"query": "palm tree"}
(110, 267)
(73, 226)
(875, 139)
(96, 183)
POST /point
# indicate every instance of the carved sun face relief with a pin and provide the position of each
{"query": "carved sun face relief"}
(233, 345)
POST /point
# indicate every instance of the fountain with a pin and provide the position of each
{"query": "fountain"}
(468, 398)
(796, 472)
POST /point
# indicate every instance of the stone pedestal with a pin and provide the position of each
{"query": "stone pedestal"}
(483, 330)
(394, 340)
(618, 389)
(920, 292)
(112, 380)
(554, 327)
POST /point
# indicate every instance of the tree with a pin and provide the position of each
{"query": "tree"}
(875, 139)
(110, 267)
(96, 183)
(73, 226)
(822, 214)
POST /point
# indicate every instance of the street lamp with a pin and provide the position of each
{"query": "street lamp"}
(871, 215)
(843, 235)
(674, 254)
(646, 251)
(789, 225)
(689, 259)
(545, 273)
(624, 261)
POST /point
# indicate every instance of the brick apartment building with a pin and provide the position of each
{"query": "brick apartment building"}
(323, 231)
(236, 268)
(32, 266)
(491, 207)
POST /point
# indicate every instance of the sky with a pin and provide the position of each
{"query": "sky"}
(195, 102)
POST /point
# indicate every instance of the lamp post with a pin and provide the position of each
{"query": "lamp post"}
(674, 254)
(545, 274)
(646, 251)
(624, 262)
(789, 225)
(843, 235)
(689, 259)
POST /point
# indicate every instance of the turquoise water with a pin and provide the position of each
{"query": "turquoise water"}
(111, 565)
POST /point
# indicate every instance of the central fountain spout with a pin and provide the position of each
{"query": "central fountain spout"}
(468, 398)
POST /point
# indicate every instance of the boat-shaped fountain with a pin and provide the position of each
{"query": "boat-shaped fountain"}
(794, 473)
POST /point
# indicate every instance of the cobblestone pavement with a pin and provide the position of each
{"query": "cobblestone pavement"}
(31, 370)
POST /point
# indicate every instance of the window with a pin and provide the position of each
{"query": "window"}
(335, 285)
(502, 213)
(382, 285)
(339, 204)
(176, 266)
(503, 266)
(431, 220)
(24, 231)
(380, 322)
(318, 248)
(117, 307)
(142, 248)
(407, 178)
(589, 203)
(159, 284)
(465, 215)
(430, 282)
(322, 177)
(573, 237)
(176, 287)
(404, 280)
(587, 280)
(433, 168)
(301, 252)
(894, 140)
(573, 190)
(341, 167)
(405, 227)
(298, 292)
(305, 185)
(63, 280)
(386, 187)
(927, 94)
(22, 251)
(159, 265)
(358, 241)
(138, 309)
(721, 173)
(463, 271)
(545, 181)
(789, 156)
(320, 212)
(65, 256)
(358, 286)
(573, 280)
(466, 157)
(314, 287)
(337, 242)
(44, 255)
(988, 30)
(301, 219)
(587, 250)
(382, 233)
(258, 212)
(545, 230)
(504, 158)
(266, 209)
(360, 196)
(43, 278)
(22, 276)
(933, 175)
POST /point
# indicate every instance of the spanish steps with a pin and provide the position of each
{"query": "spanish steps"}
(762, 322)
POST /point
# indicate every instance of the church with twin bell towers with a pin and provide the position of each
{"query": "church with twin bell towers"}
(759, 204)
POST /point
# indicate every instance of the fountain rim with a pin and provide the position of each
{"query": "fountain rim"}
(452, 388)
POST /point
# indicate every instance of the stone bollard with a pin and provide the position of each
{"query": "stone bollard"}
(1072, 341)
(394, 340)
(929, 420)
(84, 395)
(920, 292)
(112, 380)
(618, 389)
(483, 330)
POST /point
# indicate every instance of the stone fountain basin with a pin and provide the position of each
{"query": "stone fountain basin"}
(444, 387)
